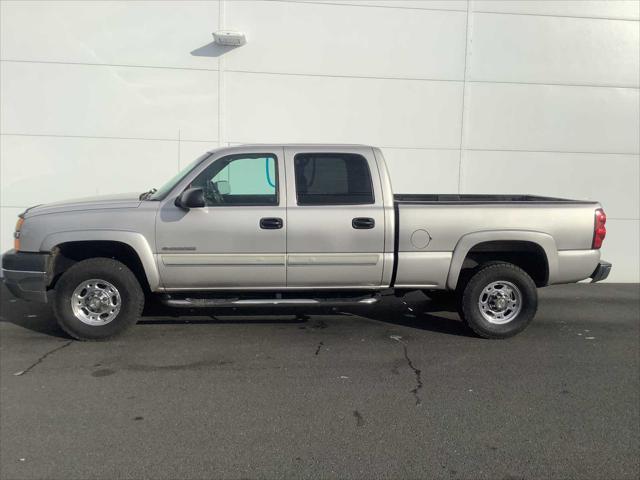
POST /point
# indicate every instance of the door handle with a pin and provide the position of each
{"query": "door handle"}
(271, 223)
(363, 223)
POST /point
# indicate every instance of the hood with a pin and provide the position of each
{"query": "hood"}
(122, 200)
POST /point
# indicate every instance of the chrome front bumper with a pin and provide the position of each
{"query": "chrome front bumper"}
(26, 275)
(601, 272)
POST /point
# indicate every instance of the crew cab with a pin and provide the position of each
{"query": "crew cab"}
(298, 225)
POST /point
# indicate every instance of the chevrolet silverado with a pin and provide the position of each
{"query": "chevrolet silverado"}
(298, 225)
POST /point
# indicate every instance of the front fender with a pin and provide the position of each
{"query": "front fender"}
(135, 240)
(467, 242)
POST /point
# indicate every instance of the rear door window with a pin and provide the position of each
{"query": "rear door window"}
(332, 179)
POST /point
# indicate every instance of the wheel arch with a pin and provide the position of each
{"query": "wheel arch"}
(129, 247)
(534, 252)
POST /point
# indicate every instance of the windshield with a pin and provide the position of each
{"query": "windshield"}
(164, 190)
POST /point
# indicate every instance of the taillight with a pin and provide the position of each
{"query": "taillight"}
(599, 230)
(16, 234)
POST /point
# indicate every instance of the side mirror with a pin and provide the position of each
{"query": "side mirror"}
(191, 198)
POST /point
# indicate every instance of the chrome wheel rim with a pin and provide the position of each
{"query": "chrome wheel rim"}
(96, 302)
(500, 302)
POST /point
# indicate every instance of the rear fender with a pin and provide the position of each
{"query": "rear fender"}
(467, 242)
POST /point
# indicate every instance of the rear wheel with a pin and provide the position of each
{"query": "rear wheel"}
(97, 299)
(498, 301)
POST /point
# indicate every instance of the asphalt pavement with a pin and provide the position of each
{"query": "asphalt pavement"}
(398, 390)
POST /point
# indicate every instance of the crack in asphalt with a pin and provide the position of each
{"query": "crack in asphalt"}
(416, 371)
(41, 358)
(319, 347)
(359, 418)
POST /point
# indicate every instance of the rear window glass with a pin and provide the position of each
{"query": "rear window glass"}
(332, 179)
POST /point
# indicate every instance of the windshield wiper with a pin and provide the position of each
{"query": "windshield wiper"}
(147, 194)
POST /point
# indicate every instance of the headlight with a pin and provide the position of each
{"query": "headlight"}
(16, 234)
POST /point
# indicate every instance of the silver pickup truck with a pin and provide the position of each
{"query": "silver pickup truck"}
(298, 225)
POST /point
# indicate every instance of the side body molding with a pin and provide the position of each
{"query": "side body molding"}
(137, 241)
(467, 242)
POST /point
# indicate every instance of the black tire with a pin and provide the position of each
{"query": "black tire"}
(483, 277)
(109, 270)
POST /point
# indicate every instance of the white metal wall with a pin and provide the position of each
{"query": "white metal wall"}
(477, 96)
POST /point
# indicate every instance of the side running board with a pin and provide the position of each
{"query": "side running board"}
(210, 302)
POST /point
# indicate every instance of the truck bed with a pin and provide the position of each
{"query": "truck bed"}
(430, 228)
(418, 198)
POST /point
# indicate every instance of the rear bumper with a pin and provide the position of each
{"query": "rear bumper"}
(601, 272)
(26, 274)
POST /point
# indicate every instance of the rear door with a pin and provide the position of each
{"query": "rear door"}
(335, 215)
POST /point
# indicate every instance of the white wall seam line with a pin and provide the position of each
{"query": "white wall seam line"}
(91, 64)
(100, 137)
(467, 53)
(221, 104)
(390, 147)
(323, 75)
(390, 7)
(581, 17)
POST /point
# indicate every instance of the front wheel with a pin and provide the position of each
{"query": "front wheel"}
(97, 299)
(499, 301)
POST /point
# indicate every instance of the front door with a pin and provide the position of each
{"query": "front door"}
(238, 239)
(335, 230)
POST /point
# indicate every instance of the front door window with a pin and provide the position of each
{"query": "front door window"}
(240, 180)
